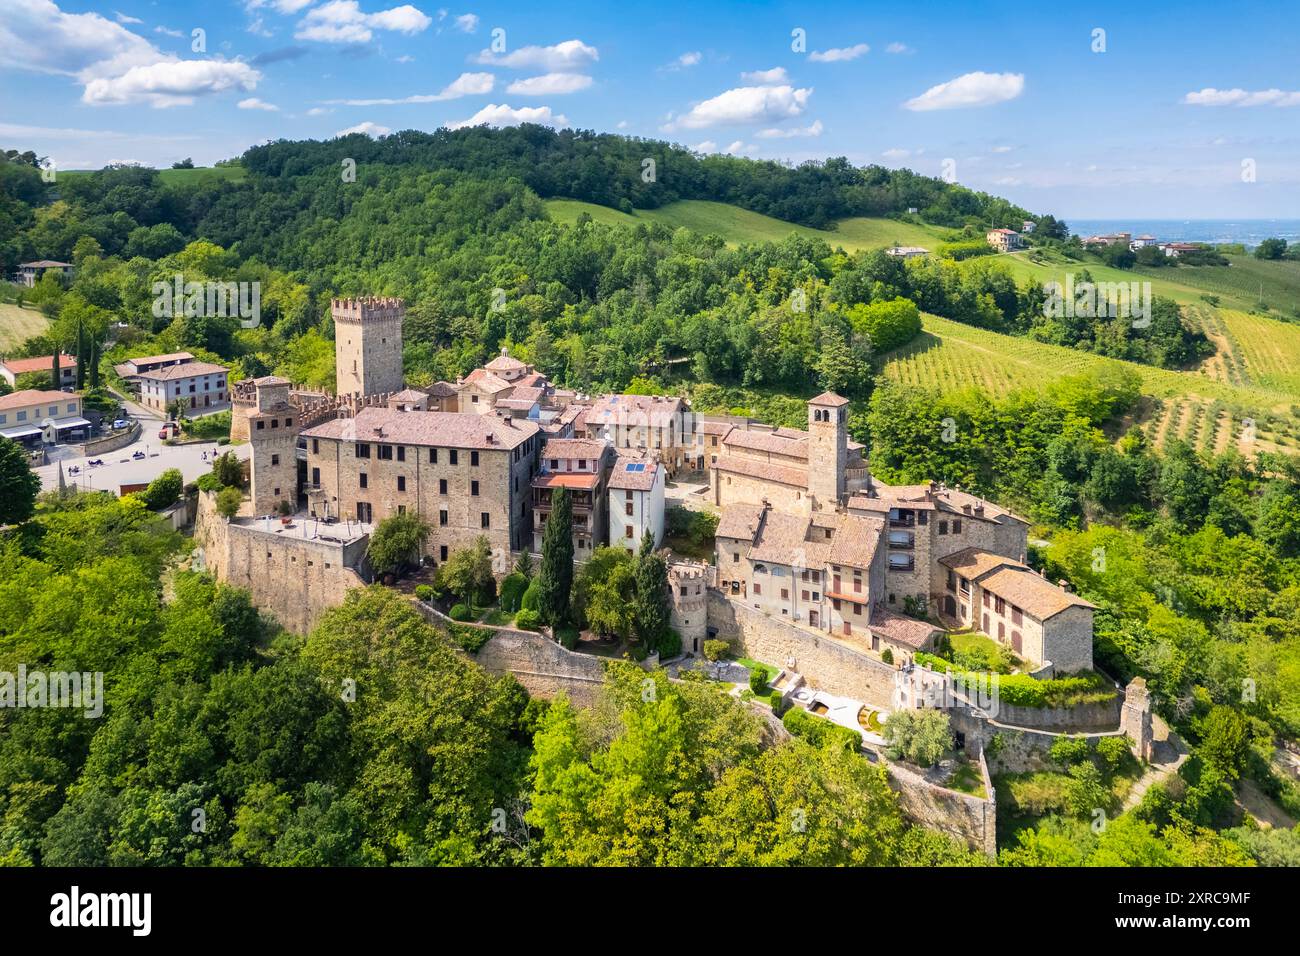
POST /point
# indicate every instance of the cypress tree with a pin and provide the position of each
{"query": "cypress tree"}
(54, 370)
(650, 605)
(81, 357)
(555, 580)
(94, 363)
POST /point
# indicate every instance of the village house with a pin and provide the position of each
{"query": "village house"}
(33, 416)
(647, 424)
(133, 368)
(10, 369)
(907, 252)
(29, 273)
(201, 386)
(636, 502)
(582, 465)
(1008, 601)
(1004, 240)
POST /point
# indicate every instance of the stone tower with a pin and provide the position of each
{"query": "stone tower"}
(828, 450)
(273, 433)
(367, 345)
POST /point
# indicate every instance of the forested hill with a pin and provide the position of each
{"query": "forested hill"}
(613, 171)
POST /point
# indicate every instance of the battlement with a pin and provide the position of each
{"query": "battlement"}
(366, 309)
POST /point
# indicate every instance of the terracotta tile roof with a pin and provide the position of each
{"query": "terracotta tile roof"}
(42, 363)
(485, 381)
(1032, 593)
(829, 398)
(409, 395)
(271, 380)
(169, 373)
(34, 396)
(900, 629)
(504, 363)
(44, 264)
(740, 521)
(970, 563)
(713, 428)
(783, 539)
(642, 479)
(781, 474)
(634, 411)
(527, 393)
(567, 448)
(767, 442)
(434, 429)
(165, 357)
(441, 390)
(855, 543)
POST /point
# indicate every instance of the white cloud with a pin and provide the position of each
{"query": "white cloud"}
(708, 146)
(290, 6)
(773, 77)
(684, 61)
(1238, 97)
(253, 103)
(815, 129)
(168, 32)
(567, 57)
(897, 47)
(318, 111)
(123, 18)
(343, 21)
(969, 89)
(839, 55)
(467, 22)
(739, 148)
(1003, 149)
(896, 153)
(170, 83)
(369, 128)
(503, 115)
(549, 84)
(623, 124)
(405, 59)
(467, 84)
(745, 104)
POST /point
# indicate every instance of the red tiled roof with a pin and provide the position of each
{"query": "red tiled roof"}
(42, 363)
(434, 429)
(186, 370)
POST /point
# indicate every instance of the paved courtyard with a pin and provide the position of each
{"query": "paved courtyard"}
(120, 468)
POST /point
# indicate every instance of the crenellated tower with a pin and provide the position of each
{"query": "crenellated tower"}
(273, 434)
(367, 345)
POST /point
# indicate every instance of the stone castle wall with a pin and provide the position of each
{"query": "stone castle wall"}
(825, 662)
(963, 816)
(293, 579)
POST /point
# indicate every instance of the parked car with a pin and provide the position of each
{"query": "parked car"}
(169, 430)
(120, 423)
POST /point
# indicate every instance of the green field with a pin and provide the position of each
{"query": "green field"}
(737, 225)
(17, 325)
(1208, 412)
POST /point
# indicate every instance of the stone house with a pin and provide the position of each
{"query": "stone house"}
(1008, 601)
(652, 425)
(582, 465)
(466, 475)
(636, 502)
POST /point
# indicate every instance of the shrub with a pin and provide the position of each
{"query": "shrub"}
(887, 656)
(528, 620)
(777, 702)
(164, 489)
(758, 680)
(228, 502)
(459, 612)
(567, 635)
(1112, 751)
(819, 731)
(512, 591)
(921, 737)
(715, 650)
(1086, 793)
(531, 596)
(1068, 751)
(424, 592)
(470, 638)
(670, 644)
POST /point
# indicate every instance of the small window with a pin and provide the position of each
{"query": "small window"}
(365, 480)
(315, 446)
(442, 486)
(433, 456)
(473, 459)
(454, 456)
(401, 453)
(956, 526)
(943, 527)
(275, 459)
(473, 488)
(401, 483)
(485, 520)
(442, 517)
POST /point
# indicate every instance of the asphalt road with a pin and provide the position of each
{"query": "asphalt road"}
(120, 468)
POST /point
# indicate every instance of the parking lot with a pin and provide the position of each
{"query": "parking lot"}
(120, 468)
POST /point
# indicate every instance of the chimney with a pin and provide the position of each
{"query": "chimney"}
(1064, 585)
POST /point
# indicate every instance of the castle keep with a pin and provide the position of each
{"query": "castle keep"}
(367, 345)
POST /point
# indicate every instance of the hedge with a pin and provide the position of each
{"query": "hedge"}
(468, 636)
(819, 731)
(1021, 690)
(459, 612)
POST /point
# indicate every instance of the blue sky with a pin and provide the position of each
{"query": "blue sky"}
(1191, 111)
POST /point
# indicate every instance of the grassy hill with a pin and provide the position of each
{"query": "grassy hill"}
(737, 225)
(17, 324)
(1206, 411)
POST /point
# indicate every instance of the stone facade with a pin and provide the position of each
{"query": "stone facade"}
(464, 485)
(274, 437)
(288, 572)
(827, 450)
(688, 586)
(367, 345)
(964, 816)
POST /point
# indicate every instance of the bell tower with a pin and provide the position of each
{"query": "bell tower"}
(273, 434)
(828, 450)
